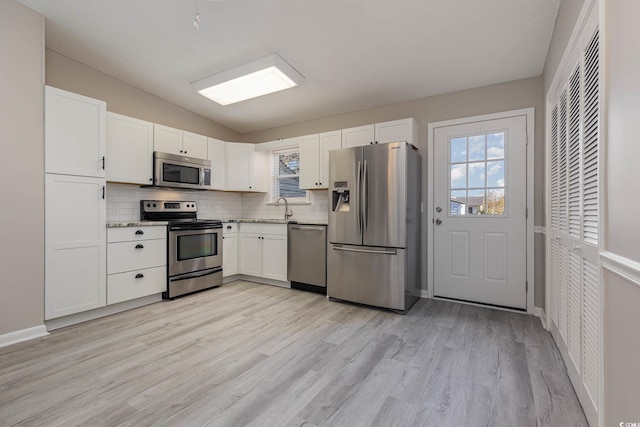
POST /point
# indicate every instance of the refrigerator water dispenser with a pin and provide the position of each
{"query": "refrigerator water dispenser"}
(340, 197)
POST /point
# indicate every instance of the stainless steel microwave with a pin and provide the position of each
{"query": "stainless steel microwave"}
(171, 170)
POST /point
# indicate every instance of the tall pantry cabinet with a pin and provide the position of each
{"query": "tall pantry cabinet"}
(75, 206)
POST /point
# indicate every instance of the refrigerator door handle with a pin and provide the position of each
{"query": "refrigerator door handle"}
(358, 201)
(365, 184)
(367, 251)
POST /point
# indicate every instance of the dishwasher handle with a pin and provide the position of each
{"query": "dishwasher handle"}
(307, 227)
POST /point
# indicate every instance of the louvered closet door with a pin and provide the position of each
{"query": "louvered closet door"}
(573, 219)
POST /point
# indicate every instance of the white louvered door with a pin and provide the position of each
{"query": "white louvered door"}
(573, 218)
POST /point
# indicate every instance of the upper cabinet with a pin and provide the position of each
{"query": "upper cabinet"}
(75, 137)
(358, 136)
(380, 133)
(314, 158)
(129, 150)
(217, 154)
(246, 168)
(176, 141)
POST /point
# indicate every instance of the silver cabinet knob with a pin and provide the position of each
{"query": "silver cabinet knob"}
(438, 221)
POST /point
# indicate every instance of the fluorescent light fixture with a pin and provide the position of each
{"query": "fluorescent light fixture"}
(261, 77)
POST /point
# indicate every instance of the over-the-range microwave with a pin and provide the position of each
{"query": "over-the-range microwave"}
(175, 171)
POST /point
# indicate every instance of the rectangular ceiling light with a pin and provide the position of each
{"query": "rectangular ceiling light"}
(261, 77)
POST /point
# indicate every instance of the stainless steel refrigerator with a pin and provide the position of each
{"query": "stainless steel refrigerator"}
(373, 256)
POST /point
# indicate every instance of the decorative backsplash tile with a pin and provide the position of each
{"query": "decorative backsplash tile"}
(123, 203)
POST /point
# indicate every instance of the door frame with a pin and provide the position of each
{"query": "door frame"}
(529, 113)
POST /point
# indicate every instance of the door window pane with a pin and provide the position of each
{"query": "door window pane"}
(495, 146)
(477, 182)
(459, 176)
(495, 174)
(476, 147)
(476, 175)
(458, 150)
(475, 202)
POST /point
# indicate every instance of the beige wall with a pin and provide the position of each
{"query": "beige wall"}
(123, 98)
(22, 172)
(490, 99)
(622, 297)
(565, 21)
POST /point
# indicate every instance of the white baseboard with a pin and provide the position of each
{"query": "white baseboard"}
(539, 312)
(424, 293)
(23, 335)
(73, 319)
(258, 280)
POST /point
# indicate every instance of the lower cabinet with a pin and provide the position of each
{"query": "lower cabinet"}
(229, 249)
(75, 241)
(136, 262)
(263, 250)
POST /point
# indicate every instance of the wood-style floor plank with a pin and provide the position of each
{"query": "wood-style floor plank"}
(257, 355)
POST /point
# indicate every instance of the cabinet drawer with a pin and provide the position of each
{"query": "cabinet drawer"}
(129, 256)
(136, 284)
(251, 227)
(126, 234)
(229, 227)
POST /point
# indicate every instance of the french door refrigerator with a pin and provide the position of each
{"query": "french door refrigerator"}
(373, 256)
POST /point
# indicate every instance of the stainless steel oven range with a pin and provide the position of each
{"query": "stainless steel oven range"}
(194, 249)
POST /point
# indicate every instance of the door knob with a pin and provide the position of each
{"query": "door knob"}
(438, 209)
(438, 221)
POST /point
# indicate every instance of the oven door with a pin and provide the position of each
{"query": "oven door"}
(194, 250)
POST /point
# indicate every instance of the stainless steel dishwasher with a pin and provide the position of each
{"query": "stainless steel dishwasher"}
(307, 257)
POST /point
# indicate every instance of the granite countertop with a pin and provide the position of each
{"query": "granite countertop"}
(276, 221)
(115, 224)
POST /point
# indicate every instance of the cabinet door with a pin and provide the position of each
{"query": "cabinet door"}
(75, 134)
(397, 130)
(309, 161)
(230, 254)
(250, 254)
(75, 245)
(328, 141)
(129, 150)
(357, 137)
(239, 161)
(194, 145)
(217, 153)
(260, 171)
(274, 257)
(166, 139)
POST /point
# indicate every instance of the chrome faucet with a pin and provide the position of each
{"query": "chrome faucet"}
(287, 212)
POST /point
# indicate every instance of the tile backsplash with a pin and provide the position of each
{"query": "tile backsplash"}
(123, 203)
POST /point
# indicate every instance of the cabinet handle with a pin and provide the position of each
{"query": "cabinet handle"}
(139, 246)
(139, 232)
(102, 162)
(229, 227)
(139, 276)
(185, 151)
(103, 190)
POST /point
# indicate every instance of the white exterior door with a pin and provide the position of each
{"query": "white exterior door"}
(480, 202)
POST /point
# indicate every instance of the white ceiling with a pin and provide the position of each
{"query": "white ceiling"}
(354, 54)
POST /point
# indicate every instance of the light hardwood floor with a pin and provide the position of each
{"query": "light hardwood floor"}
(250, 354)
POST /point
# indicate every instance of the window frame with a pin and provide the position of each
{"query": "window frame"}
(274, 192)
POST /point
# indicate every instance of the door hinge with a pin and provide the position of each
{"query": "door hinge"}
(526, 286)
(526, 139)
(526, 213)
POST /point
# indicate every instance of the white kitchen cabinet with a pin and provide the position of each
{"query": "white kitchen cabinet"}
(75, 134)
(263, 250)
(75, 244)
(358, 136)
(136, 262)
(129, 150)
(176, 141)
(381, 133)
(396, 130)
(229, 249)
(314, 158)
(217, 155)
(246, 169)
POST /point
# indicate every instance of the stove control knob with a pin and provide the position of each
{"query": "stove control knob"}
(154, 205)
(148, 205)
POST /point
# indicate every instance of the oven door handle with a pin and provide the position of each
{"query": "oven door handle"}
(196, 274)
